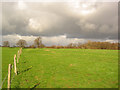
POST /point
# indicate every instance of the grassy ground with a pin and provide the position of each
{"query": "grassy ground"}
(63, 68)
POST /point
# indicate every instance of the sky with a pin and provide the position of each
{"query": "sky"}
(59, 23)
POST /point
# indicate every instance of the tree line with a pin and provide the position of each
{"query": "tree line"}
(22, 43)
(88, 45)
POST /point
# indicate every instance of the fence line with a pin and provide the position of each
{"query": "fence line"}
(10, 68)
(5, 79)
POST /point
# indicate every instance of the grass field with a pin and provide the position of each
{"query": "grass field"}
(63, 68)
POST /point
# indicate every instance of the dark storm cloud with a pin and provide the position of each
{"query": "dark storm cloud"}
(53, 19)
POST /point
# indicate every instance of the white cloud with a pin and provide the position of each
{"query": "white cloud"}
(55, 40)
(111, 41)
(61, 40)
(13, 39)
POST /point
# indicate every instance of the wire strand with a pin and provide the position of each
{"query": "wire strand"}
(3, 81)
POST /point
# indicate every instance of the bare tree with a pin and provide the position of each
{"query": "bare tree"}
(21, 43)
(38, 42)
(6, 44)
(70, 45)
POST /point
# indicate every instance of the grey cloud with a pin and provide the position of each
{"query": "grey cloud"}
(59, 18)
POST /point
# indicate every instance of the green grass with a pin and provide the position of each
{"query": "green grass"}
(63, 68)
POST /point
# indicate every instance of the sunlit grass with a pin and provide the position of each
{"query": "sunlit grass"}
(63, 68)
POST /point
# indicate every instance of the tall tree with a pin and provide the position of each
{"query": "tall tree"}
(38, 42)
(21, 43)
(6, 44)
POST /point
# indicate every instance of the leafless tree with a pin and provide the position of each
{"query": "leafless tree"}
(70, 45)
(6, 44)
(38, 42)
(21, 43)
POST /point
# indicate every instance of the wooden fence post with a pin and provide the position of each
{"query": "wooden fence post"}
(15, 68)
(9, 76)
(18, 56)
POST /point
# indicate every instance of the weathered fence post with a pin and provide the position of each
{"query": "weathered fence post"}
(9, 76)
(15, 68)
(18, 56)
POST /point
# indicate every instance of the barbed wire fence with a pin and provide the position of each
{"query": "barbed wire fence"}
(16, 60)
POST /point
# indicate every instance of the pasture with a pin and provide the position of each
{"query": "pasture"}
(62, 68)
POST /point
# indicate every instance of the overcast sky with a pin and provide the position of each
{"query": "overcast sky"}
(60, 23)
